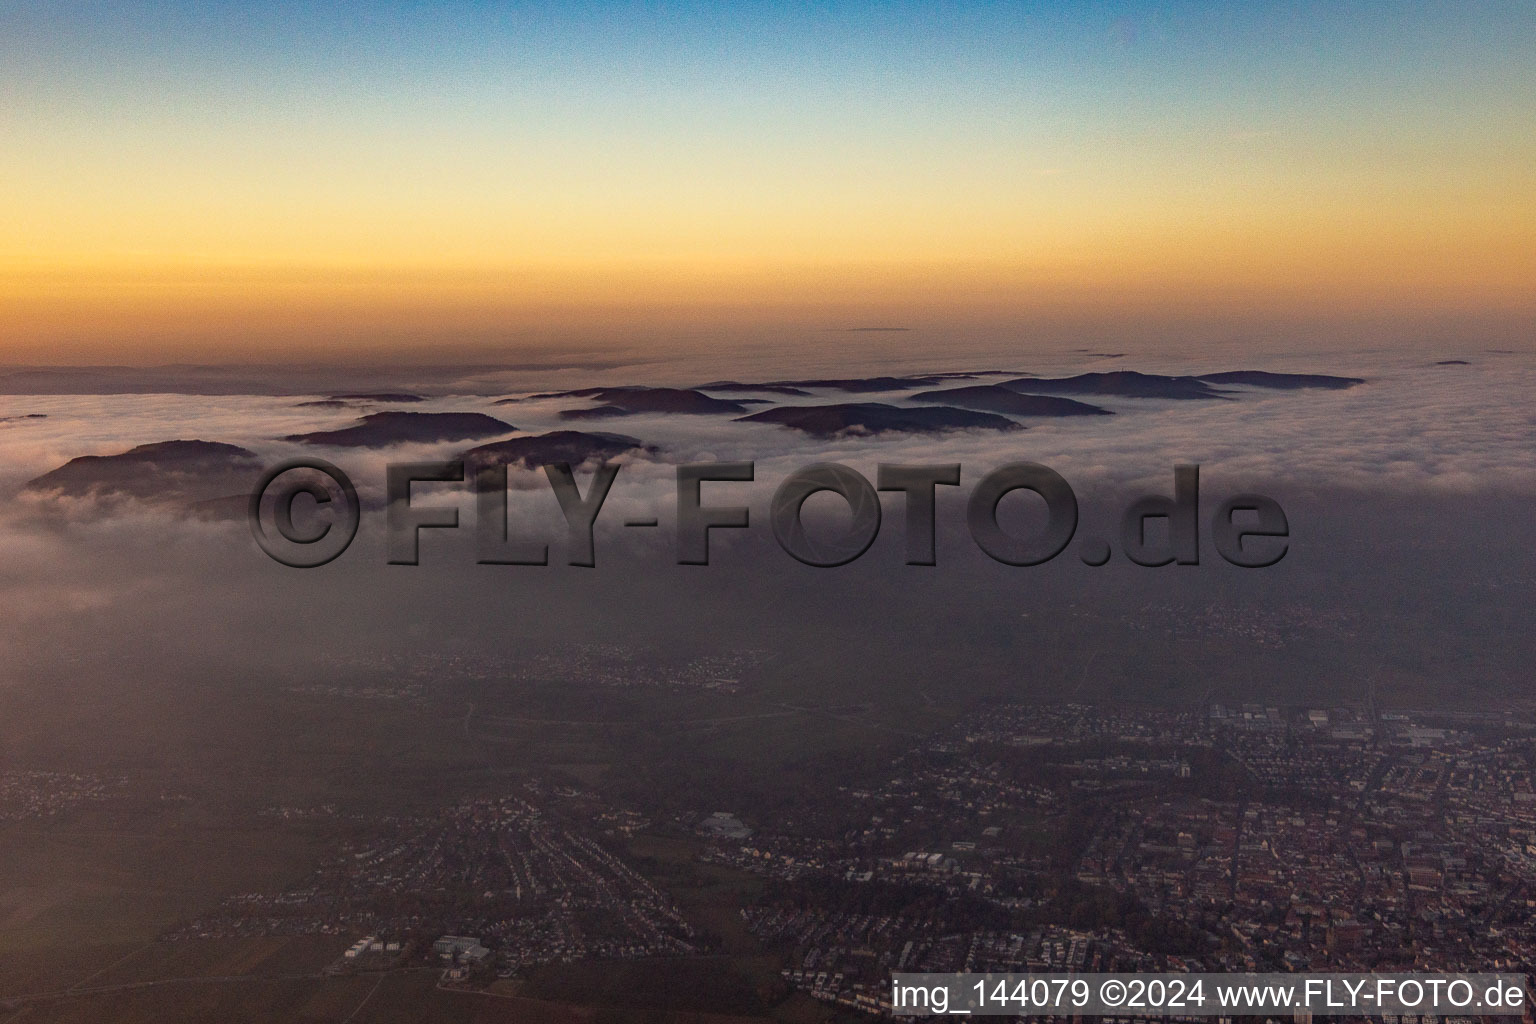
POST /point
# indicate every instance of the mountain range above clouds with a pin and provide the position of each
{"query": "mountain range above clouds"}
(854, 385)
(826, 421)
(398, 384)
(195, 475)
(1282, 381)
(383, 429)
(997, 398)
(178, 471)
(575, 447)
(634, 399)
(925, 404)
(1118, 383)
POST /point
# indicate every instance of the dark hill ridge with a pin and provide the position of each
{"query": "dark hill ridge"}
(649, 404)
(995, 398)
(769, 389)
(597, 412)
(578, 393)
(852, 385)
(1134, 384)
(614, 401)
(1121, 383)
(1281, 381)
(868, 385)
(397, 397)
(877, 418)
(163, 470)
(641, 398)
(648, 399)
(871, 385)
(572, 446)
(636, 399)
(381, 429)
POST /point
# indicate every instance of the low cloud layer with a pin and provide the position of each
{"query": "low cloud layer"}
(1411, 426)
(1409, 497)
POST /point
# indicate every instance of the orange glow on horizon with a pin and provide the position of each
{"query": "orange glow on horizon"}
(96, 308)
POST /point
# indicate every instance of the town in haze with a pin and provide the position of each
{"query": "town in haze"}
(1055, 837)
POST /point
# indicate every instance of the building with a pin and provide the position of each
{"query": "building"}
(723, 825)
(465, 948)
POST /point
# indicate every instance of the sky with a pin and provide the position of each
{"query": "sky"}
(220, 181)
